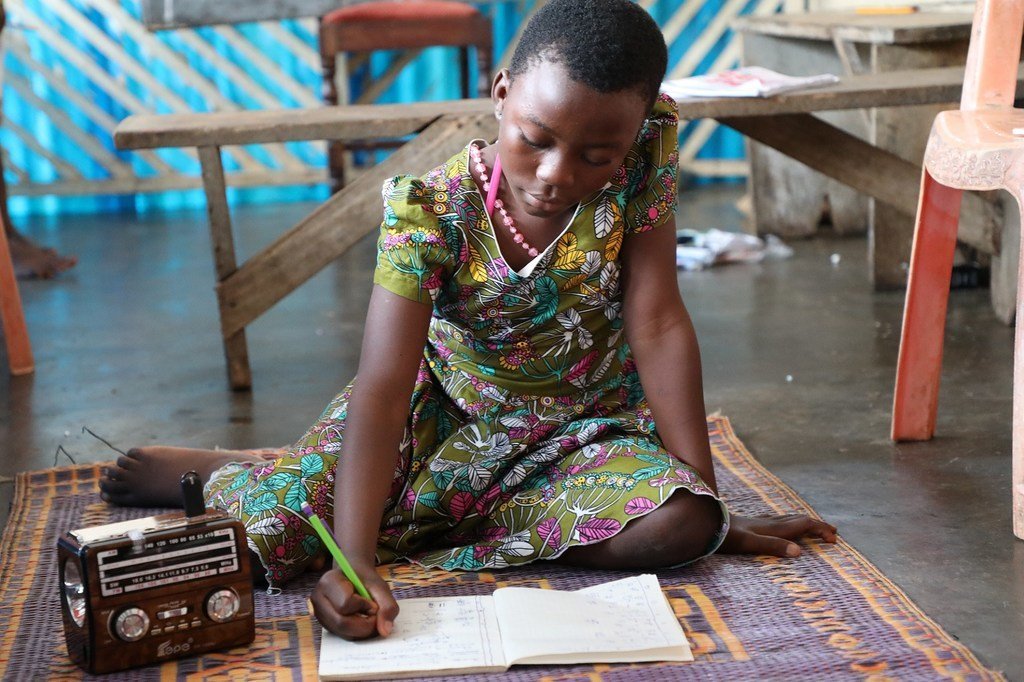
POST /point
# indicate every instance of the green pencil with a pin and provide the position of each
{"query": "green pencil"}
(332, 546)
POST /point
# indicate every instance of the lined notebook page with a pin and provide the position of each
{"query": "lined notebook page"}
(431, 634)
(622, 621)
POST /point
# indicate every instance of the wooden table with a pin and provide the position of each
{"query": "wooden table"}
(788, 198)
(245, 291)
(164, 14)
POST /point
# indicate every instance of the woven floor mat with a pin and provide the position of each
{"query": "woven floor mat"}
(828, 614)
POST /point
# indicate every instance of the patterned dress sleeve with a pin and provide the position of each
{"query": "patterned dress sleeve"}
(416, 252)
(648, 176)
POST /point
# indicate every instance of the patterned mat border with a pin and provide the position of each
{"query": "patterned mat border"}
(917, 629)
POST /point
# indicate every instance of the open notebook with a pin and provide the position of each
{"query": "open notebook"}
(626, 620)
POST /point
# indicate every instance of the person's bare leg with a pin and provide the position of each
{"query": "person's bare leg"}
(681, 530)
(151, 477)
(30, 259)
(678, 531)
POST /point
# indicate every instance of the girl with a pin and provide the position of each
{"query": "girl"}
(529, 385)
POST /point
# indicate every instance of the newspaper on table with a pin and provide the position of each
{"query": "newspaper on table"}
(749, 81)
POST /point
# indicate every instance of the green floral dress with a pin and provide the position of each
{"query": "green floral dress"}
(529, 432)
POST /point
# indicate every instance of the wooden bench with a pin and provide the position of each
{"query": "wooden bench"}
(247, 290)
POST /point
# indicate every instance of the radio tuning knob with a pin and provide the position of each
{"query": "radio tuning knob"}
(132, 624)
(222, 605)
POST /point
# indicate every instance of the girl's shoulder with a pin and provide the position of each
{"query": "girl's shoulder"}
(658, 134)
(656, 146)
(427, 211)
(431, 191)
(420, 243)
(646, 181)
(665, 112)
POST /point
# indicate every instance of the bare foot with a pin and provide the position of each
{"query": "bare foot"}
(151, 477)
(34, 261)
(774, 535)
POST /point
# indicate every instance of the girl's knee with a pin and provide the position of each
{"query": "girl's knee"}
(687, 526)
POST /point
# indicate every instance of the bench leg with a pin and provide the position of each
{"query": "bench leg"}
(235, 348)
(19, 349)
(919, 367)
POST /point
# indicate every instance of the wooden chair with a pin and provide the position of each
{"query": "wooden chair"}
(409, 25)
(978, 147)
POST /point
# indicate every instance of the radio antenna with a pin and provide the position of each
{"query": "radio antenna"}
(192, 494)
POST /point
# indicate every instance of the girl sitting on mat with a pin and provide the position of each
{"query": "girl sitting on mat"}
(525, 336)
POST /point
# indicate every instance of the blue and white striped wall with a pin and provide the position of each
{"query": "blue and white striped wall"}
(74, 68)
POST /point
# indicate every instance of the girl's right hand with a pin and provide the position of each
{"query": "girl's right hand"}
(342, 611)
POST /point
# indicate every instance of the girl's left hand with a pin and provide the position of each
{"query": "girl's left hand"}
(773, 535)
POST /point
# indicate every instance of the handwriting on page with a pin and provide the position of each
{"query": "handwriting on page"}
(454, 632)
(621, 616)
(657, 626)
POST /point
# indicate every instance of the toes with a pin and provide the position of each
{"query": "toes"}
(812, 528)
(816, 528)
(790, 527)
(797, 526)
(773, 546)
(114, 487)
(825, 531)
(130, 460)
(115, 492)
(113, 473)
(120, 500)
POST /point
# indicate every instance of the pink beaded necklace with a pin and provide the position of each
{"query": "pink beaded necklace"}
(492, 202)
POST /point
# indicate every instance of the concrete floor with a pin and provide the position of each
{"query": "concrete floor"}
(127, 344)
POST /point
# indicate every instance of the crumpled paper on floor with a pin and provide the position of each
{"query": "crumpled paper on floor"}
(699, 250)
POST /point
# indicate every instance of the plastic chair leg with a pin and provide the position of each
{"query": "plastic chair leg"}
(1017, 476)
(19, 350)
(919, 367)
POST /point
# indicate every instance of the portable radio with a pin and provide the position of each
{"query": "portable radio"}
(156, 588)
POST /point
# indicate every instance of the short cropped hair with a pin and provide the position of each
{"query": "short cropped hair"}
(608, 45)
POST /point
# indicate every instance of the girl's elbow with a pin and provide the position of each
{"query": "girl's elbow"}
(659, 326)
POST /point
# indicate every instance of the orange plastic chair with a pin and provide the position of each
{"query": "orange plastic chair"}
(12, 318)
(19, 350)
(408, 25)
(978, 147)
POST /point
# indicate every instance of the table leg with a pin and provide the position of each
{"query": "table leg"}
(348, 216)
(222, 241)
(873, 171)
